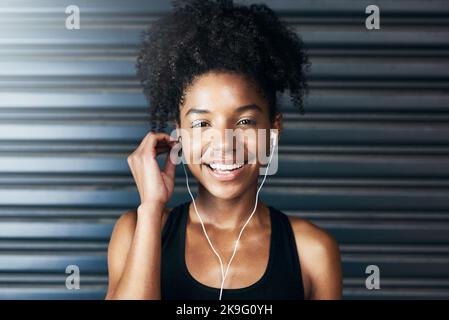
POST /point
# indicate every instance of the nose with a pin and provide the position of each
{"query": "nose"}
(223, 144)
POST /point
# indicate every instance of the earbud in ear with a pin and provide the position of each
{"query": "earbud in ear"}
(180, 145)
(273, 140)
(274, 135)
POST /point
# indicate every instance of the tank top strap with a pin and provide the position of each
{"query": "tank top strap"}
(170, 231)
(285, 250)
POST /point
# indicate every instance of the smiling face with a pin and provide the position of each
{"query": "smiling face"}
(217, 104)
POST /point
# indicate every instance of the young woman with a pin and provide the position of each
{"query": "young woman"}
(217, 65)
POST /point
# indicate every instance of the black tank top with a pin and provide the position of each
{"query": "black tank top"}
(282, 278)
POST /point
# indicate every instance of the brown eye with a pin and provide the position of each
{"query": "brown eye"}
(198, 124)
(247, 122)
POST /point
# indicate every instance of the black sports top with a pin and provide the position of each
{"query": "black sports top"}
(281, 280)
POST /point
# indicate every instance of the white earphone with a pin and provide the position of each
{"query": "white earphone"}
(273, 144)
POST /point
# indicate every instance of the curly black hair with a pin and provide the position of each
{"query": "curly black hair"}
(201, 36)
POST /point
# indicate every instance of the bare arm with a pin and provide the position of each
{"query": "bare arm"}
(320, 261)
(327, 274)
(134, 255)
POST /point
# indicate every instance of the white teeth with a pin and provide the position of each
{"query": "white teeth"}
(225, 167)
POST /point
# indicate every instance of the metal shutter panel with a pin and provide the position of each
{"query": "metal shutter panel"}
(369, 161)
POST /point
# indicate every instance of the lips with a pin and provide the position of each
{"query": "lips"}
(225, 172)
(225, 167)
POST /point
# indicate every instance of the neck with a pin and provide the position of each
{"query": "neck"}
(227, 213)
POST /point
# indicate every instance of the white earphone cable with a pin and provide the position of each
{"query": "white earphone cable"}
(224, 274)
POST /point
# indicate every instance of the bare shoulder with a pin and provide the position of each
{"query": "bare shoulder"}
(128, 220)
(119, 246)
(319, 255)
(123, 231)
(312, 236)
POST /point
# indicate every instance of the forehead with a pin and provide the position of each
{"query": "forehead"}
(218, 91)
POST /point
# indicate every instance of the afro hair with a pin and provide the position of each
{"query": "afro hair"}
(200, 36)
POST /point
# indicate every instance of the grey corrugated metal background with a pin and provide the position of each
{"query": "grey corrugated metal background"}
(369, 161)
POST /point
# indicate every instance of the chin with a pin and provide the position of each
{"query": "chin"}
(225, 193)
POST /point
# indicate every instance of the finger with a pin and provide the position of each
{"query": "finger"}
(162, 150)
(163, 147)
(151, 141)
(170, 167)
(165, 143)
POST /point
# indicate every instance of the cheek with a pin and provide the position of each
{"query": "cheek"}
(256, 147)
(251, 148)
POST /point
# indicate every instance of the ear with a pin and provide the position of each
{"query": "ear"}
(177, 127)
(277, 124)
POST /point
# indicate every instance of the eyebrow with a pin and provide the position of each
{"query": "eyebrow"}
(240, 109)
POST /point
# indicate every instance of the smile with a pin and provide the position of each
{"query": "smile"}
(225, 172)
